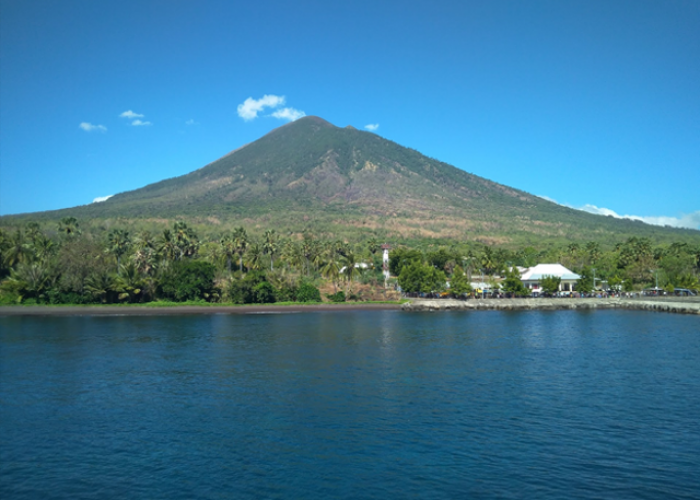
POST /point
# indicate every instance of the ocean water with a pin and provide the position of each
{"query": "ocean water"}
(361, 405)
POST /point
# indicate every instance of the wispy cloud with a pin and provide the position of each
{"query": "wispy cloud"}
(89, 127)
(130, 115)
(290, 114)
(100, 199)
(139, 123)
(372, 127)
(250, 108)
(191, 122)
(689, 221)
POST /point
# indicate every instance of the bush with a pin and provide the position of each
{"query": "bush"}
(308, 293)
(264, 293)
(254, 288)
(287, 292)
(337, 297)
(188, 280)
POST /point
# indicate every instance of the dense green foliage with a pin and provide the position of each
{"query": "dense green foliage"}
(188, 280)
(460, 285)
(417, 277)
(308, 293)
(512, 285)
(337, 297)
(550, 285)
(77, 263)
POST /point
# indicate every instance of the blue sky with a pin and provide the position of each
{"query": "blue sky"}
(589, 103)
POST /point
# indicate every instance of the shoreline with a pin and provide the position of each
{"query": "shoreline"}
(415, 305)
(673, 306)
(187, 310)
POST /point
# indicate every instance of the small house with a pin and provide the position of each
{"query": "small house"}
(531, 277)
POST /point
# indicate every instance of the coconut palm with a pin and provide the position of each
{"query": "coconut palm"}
(44, 247)
(69, 227)
(227, 245)
(29, 281)
(291, 254)
(270, 246)
(373, 245)
(118, 243)
(185, 239)
(254, 256)
(331, 269)
(99, 285)
(240, 238)
(145, 259)
(593, 251)
(350, 270)
(167, 247)
(129, 283)
(18, 249)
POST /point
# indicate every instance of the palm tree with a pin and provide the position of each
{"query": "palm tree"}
(349, 262)
(270, 246)
(593, 250)
(18, 250)
(331, 269)
(307, 250)
(29, 281)
(488, 260)
(69, 227)
(291, 254)
(129, 283)
(167, 246)
(240, 238)
(32, 229)
(228, 249)
(118, 242)
(44, 247)
(145, 260)
(185, 239)
(99, 285)
(573, 252)
(373, 245)
(254, 256)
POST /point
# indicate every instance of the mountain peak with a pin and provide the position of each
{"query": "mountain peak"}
(314, 119)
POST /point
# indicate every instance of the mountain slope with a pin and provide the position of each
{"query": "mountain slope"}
(311, 173)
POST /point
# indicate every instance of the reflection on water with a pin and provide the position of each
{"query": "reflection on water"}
(376, 404)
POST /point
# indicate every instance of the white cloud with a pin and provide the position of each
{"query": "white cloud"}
(290, 114)
(130, 115)
(100, 199)
(139, 123)
(89, 127)
(372, 127)
(250, 108)
(191, 122)
(689, 221)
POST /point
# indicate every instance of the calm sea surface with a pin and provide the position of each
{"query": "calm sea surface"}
(375, 405)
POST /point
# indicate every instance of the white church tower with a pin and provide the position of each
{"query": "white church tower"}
(385, 262)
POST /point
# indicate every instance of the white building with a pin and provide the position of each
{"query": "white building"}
(531, 277)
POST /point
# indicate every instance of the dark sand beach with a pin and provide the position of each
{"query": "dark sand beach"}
(179, 310)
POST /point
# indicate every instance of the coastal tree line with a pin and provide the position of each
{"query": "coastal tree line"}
(61, 264)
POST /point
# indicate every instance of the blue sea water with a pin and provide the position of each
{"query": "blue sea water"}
(365, 404)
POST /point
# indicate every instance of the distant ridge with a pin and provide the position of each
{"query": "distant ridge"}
(312, 174)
